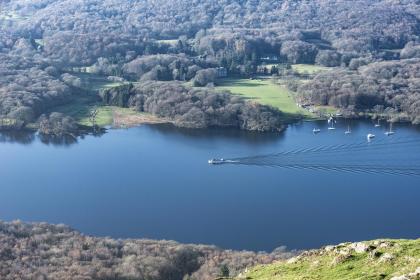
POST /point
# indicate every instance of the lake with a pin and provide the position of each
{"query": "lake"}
(155, 182)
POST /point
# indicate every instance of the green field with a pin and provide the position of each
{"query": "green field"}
(94, 82)
(81, 107)
(309, 68)
(263, 91)
(40, 42)
(171, 42)
(380, 259)
(12, 16)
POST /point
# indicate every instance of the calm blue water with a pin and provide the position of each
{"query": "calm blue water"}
(154, 182)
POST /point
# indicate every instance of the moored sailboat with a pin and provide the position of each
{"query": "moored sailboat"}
(331, 121)
(390, 131)
(379, 123)
(348, 131)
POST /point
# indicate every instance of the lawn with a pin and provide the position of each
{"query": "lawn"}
(171, 42)
(263, 91)
(81, 108)
(12, 16)
(95, 82)
(309, 68)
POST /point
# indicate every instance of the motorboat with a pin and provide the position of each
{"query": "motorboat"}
(316, 130)
(217, 161)
(221, 161)
(370, 136)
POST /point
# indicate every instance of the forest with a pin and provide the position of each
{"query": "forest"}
(372, 47)
(45, 251)
(194, 107)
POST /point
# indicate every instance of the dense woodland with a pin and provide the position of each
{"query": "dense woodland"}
(43, 251)
(390, 89)
(373, 44)
(194, 107)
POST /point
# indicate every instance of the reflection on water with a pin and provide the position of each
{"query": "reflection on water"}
(21, 137)
(26, 137)
(218, 133)
(64, 140)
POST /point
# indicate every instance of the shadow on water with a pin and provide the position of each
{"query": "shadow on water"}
(167, 130)
(28, 137)
(229, 134)
(20, 137)
(64, 140)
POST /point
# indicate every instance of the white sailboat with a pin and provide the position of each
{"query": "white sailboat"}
(390, 132)
(378, 124)
(331, 121)
(348, 131)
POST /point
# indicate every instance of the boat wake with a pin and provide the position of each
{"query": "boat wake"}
(397, 156)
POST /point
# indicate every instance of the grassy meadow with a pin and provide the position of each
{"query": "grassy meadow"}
(263, 91)
(12, 16)
(81, 107)
(309, 68)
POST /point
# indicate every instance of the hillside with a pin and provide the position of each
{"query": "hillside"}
(57, 252)
(377, 259)
(45, 44)
(45, 251)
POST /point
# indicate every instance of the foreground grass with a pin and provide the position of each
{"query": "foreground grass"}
(263, 91)
(380, 259)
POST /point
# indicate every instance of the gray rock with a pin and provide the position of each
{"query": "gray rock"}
(402, 277)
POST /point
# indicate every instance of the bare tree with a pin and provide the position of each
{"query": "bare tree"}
(93, 117)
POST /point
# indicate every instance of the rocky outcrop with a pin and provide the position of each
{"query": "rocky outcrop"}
(377, 259)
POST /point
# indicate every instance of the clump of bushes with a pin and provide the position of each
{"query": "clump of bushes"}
(57, 124)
